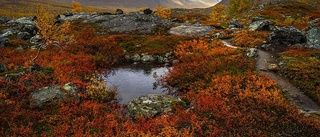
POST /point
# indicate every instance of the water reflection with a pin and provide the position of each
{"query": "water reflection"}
(136, 79)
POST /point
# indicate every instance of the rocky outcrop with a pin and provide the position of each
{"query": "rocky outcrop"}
(133, 22)
(4, 20)
(24, 28)
(313, 37)
(152, 105)
(259, 24)
(48, 95)
(23, 20)
(191, 30)
(35, 39)
(286, 36)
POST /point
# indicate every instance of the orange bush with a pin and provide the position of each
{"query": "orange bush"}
(249, 38)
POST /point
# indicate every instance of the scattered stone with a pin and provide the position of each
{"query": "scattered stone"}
(30, 28)
(48, 95)
(286, 36)
(6, 34)
(67, 13)
(235, 25)
(147, 11)
(257, 19)
(266, 46)
(252, 52)
(24, 35)
(147, 58)
(273, 67)
(261, 25)
(4, 20)
(4, 42)
(136, 58)
(3, 68)
(119, 11)
(35, 39)
(36, 67)
(152, 105)
(313, 37)
(14, 76)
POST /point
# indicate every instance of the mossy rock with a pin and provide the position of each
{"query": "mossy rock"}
(152, 104)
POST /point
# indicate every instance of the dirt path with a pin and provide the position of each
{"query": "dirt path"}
(292, 93)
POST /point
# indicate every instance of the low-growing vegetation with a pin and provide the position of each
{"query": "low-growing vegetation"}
(224, 95)
(302, 67)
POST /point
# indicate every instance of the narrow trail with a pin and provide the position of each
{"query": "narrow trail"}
(291, 92)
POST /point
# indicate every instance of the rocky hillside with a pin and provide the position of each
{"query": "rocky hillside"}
(136, 4)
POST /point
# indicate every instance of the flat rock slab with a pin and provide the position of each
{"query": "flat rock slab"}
(152, 105)
(192, 30)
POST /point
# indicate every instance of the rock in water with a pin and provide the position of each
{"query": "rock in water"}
(152, 105)
(313, 37)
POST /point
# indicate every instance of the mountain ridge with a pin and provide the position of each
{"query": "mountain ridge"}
(136, 4)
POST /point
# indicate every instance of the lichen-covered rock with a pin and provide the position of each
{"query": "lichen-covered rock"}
(4, 20)
(136, 58)
(36, 39)
(47, 95)
(191, 30)
(147, 58)
(273, 67)
(286, 36)
(152, 105)
(313, 37)
(260, 25)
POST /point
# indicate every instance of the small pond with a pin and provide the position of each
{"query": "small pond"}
(133, 80)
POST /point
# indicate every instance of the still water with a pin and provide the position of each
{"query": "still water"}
(134, 80)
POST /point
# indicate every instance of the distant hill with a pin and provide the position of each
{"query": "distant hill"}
(136, 4)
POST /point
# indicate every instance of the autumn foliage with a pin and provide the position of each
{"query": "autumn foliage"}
(218, 14)
(248, 38)
(163, 12)
(224, 94)
(302, 66)
(76, 6)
